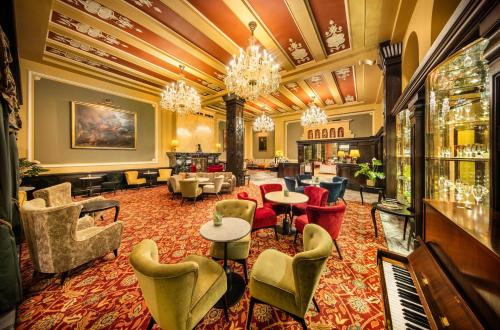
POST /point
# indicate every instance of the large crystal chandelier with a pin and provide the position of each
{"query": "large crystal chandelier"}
(253, 72)
(263, 123)
(313, 116)
(179, 97)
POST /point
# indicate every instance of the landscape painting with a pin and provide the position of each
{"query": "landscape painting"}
(96, 126)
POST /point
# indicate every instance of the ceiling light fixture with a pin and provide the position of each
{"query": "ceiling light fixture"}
(179, 97)
(263, 123)
(253, 72)
(313, 116)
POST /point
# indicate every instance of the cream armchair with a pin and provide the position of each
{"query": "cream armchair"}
(59, 241)
(60, 194)
(178, 296)
(190, 189)
(291, 284)
(214, 188)
(240, 249)
(173, 186)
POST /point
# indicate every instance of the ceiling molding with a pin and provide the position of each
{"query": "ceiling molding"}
(333, 87)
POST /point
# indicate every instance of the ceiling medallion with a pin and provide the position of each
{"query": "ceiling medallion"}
(313, 116)
(179, 97)
(253, 72)
(263, 123)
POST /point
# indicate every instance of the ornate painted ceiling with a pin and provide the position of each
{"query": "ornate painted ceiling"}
(321, 45)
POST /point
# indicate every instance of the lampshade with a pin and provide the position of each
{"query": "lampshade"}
(354, 153)
(279, 153)
(341, 153)
(218, 145)
(174, 143)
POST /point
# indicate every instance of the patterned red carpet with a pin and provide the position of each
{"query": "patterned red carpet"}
(104, 294)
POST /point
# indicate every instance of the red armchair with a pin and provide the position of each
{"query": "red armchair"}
(276, 207)
(317, 197)
(215, 168)
(264, 217)
(330, 218)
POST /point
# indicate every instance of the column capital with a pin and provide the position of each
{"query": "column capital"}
(233, 98)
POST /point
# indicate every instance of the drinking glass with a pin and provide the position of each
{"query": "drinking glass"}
(459, 190)
(467, 191)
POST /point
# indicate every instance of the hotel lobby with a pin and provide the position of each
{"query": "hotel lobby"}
(250, 164)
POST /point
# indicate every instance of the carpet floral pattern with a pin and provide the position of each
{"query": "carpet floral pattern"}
(104, 293)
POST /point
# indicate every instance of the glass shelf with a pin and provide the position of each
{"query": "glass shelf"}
(403, 158)
(458, 124)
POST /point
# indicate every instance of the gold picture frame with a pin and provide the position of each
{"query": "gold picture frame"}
(98, 126)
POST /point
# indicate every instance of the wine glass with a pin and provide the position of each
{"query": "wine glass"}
(459, 190)
(467, 191)
(479, 192)
(467, 111)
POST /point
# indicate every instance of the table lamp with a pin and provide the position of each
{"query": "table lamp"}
(341, 155)
(174, 144)
(354, 154)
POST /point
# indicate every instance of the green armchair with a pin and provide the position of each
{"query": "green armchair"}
(190, 189)
(238, 250)
(291, 284)
(178, 296)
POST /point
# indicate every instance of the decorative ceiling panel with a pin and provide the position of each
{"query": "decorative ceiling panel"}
(159, 11)
(346, 82)
(125, 24)
(318, 85)
(95, 65)
(223, 18)
(332, 23)
(283, 99)
(298, 91)
(77, 45)
(276, 16)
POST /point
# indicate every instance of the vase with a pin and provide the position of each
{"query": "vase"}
(370, 183)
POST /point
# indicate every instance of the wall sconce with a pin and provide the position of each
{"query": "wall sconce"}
(174, 144)
(217, 146)
(354, 154)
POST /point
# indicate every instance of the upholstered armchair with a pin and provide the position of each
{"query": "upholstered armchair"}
(133, 179)
(214, 188)
(301, 177)
(330, 218)
(334, 190)
(58, 240)
(291, 185)
(173, 186)
(164, 175)
(237, 250)
(189, 189)
(276, 207)
(60, 194)
(344, 182)
(229, 181)
(287, 282)
(317, 197)
(179, 295)
(264, 217)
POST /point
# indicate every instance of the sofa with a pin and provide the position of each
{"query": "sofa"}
(228, 184)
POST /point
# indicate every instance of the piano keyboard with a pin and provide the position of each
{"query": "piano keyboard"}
(404, 303)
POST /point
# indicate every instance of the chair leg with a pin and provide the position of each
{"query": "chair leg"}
(224, 302)
(151, 323)
(182, 201)
(404, 228)
(316, 305)
(338, 249)
(295, 238)
(250, 312)
(63, 277)
(245, 272)
(115, 253)
(344, 201)
(303, 323)
(276, 232)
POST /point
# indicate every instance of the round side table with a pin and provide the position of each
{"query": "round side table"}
(292, 198)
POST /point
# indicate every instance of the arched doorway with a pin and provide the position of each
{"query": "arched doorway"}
(410, 58)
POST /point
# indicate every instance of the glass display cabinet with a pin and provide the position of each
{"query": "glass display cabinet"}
(403, 156)
(458, 128)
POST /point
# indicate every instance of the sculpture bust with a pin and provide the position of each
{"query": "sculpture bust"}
(199, 148)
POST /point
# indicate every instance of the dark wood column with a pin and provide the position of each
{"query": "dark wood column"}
(391, 64)
(416, 106)
(235, 129)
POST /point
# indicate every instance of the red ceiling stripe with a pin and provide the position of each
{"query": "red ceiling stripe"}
(318, 85)
(345, 81)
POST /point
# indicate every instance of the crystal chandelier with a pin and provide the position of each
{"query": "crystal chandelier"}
(313, 116)
(179, 97)
(263, 123)
(253, 72)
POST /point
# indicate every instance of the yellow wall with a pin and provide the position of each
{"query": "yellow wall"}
(166, 123)
(197, 129)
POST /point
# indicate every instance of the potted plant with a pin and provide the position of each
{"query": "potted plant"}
(370, 171)
(29, 168)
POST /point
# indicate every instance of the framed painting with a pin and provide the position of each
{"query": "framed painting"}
(96, 126)
(262, 143)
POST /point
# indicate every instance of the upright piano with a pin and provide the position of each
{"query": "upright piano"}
(452, 279)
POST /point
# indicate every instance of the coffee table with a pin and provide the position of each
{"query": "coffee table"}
(403, 212)
(232, 229)
(292, 198)
(311, 182)
(101, 205)
(90, 179)
(380, 191)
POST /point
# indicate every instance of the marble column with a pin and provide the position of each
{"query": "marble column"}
(235, 129)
